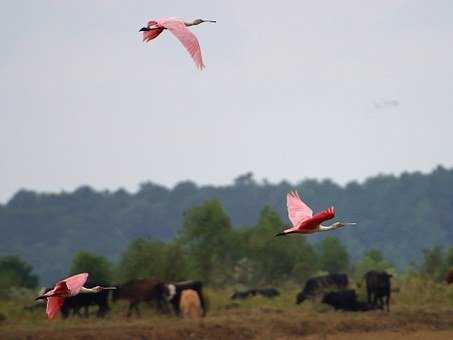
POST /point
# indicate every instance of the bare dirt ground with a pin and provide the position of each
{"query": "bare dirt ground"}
(247, 323)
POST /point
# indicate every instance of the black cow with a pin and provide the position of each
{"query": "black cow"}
(378, 288)
(77, 302)
(174, 291)
(346, 300)
(268, 292)
(318, 284)
(243, 295)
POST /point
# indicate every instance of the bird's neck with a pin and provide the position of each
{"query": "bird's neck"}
(325, 228)
(191, 23)
(84, 290)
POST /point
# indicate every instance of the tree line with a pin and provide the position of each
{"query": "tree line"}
(397, 215)
(208, 248)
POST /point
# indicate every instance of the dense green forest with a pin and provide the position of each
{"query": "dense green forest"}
(398, 215)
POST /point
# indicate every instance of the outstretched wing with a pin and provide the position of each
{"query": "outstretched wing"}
(74, 283)
(298, 211)
(54, 304)
(186, 37)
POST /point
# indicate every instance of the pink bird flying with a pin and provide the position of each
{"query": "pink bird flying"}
(180, 30)
(65, 288)
(303, 220)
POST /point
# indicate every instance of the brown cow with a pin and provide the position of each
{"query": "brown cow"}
(449, 277)
(190, 305)
(142, 290)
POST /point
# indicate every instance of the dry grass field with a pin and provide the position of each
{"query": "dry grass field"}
(420, 310)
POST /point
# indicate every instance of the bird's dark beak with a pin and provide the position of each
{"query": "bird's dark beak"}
(279, 234)
(144, 29)
(40, 298)
(214, 21)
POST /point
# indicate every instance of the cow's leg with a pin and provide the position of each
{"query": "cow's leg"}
(76, 312)
(86, 312)
(175, 303)
(388, 301)
(202, 302)
(368, 293)
(137, 310)
(131, 306)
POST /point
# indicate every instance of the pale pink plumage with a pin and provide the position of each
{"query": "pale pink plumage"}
(302, 217)
(64, 288)
(180, 31)
(298, 211)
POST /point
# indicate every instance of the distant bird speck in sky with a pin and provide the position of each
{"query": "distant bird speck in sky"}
(385, 103)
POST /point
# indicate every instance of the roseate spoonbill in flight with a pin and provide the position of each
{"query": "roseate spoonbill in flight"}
(65, 288)
(303, 220)
(179, 29)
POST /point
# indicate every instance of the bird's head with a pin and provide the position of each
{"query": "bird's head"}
(97, 289)
(199, 21)
(337, 225)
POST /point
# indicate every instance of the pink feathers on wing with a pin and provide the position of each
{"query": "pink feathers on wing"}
(186, 37)
(54, 304)
(64, 288)
(180, 31)
(298, 211)
(74, 283)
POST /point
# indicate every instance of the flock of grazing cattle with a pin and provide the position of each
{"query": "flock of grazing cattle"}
(186, 298)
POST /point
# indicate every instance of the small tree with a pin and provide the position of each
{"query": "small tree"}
(205, 239)
(333, 256)
(279, 258)
(16, 273)
(98, 267)
(373, 260)
(434, 263)
(149, 258)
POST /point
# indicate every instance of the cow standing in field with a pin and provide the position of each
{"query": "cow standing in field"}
(190, 305)
(79, 301)
(142, 290)
(449, 277)
(75, 303)
(174, 291)
(378, 288)
(319, 284)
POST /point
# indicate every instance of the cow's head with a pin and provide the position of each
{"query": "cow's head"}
(300, 298)
(170, 291)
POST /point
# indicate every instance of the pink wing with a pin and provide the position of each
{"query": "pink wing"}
(186, 37)
(74, 283)
(298, 211)
(54, 304)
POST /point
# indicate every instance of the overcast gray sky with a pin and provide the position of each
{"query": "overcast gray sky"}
(288, 92)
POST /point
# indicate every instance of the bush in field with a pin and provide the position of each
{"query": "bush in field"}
(278, 259)
(373, 260)
(16, 273)
(417, 289)
(207, 240)
(436, 262)
(98, 267)
(333, 256)
(148, 258)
